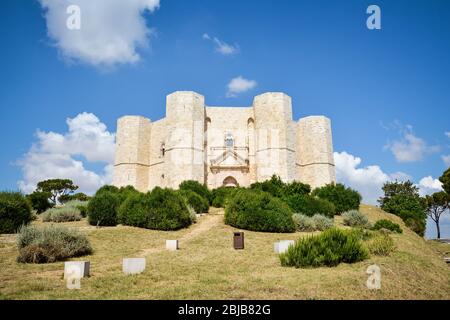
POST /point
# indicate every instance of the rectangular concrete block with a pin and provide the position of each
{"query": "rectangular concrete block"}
(133, 265)
(77, 269)
(282, 246)
(172, 245)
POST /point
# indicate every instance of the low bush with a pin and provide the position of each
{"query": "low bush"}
(62, 214)
(197, 187)
(381, 245)
(258, 211)
(161, 209)
(322, 223)
(82, 206)
(310, 206)
(330, 248)
(388, 225)
(344, 199)
(354, 218)
(316, 223)
(196, 201)
(15, 210)
(303, 223)
(50, 244)
(102, 209)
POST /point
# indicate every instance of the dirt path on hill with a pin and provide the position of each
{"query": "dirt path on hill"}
(205, 223)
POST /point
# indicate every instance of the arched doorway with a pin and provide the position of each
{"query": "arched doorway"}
(230, 182)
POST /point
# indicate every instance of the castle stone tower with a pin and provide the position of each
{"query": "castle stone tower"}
(184, 153)
(132, 152)
(275, 136)
(315, 162)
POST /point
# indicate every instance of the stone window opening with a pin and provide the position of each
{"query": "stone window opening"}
(163, 150)
(229, 140)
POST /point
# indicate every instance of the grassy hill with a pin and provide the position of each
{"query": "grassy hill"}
(207, 267)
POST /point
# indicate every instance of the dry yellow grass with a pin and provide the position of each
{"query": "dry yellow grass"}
(207, 267)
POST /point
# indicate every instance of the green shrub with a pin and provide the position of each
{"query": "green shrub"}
(381, 245)
(161, 209)
(15, 210)
(330, 248)
(258, 211)
(274, 186)
(310, 206)
(50, 244)
(40, 201)
(296, 188)
(135, 211)
(354, 218)
(102, 209)
(388, 225)
(221, 195)
(344, 199)
(196, 201)
(107, 188)
(303, 223)
(62, 214)
(197, 187)
(322, 223)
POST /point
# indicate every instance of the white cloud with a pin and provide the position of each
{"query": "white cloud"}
(221, 46)
(111, 30)
(54, 155)
(367, 180)
(446, 160)
(447, 134)
(240, 85)
(428, 185)
(410, 148)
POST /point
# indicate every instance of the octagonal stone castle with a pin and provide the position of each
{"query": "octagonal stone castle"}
(223, 146)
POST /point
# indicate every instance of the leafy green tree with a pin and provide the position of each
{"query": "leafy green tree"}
(445, 179)
(391, 189)
(403, 200)
(437, 204)
(40, 201)
(56, 188)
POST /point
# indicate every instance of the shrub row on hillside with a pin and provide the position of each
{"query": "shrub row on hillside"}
(161, 209)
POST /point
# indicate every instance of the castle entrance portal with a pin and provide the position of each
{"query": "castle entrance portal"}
(230, 182)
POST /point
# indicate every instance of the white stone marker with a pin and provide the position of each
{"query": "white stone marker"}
(133, 265)
(282, 246)
(83, 267)
(172, 245)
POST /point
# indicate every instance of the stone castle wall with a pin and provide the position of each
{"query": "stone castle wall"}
(223, 145)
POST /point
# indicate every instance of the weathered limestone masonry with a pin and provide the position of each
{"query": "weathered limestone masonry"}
(223, 146)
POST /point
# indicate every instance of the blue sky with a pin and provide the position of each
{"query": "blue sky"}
(386, 91)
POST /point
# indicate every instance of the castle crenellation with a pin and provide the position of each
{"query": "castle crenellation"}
(223, 146)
